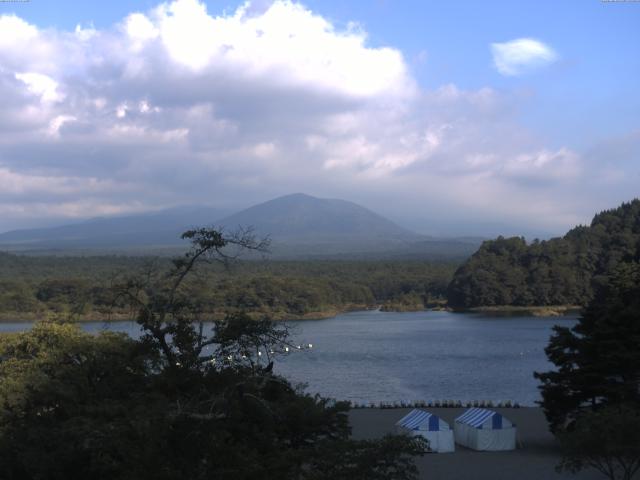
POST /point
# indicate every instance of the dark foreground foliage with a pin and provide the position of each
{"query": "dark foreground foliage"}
(77, 406)
(607, 440)
(560, 271)
(598, 360)
(592, 399)
(180, 403)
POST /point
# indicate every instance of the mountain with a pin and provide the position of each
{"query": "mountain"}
(302, 218)
(561, 271)
(161, 228)
(302, 226)
(299, 225)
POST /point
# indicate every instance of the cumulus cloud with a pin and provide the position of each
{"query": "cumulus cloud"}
(285, 42)
(43, 86)
(522, 55)
(179, 106)
(14, 30)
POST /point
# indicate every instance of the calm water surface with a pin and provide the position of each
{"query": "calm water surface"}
(382, 356)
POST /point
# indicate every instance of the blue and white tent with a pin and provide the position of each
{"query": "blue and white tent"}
(482, 429)
(429, 426)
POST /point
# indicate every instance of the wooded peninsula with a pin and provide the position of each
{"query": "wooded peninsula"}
(560, 271)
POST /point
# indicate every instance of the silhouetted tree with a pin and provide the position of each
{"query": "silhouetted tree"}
(598, 360)
(607, 440)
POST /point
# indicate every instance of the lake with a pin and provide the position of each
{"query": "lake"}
(374, 356)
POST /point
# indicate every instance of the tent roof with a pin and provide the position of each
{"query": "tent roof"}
(419, 418)
(477, 416)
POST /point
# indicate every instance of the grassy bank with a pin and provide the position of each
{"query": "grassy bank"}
(532, 311)
(98, 316)
(321, 313)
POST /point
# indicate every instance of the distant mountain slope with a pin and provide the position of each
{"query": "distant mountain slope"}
(300, 226)
(560, 271)
(303, 218)
(155, 228)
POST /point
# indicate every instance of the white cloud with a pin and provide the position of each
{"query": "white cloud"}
(42, 85)
(85, 34)
(15, 183)
(15, 31)
(264, 150)
(521, 56)
(545, 164)
(286, 42)
(58, 122)
(140, 28)
(121, 110)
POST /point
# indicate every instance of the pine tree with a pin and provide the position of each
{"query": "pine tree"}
(598, 360)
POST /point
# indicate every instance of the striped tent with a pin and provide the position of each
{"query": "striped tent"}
(482, 429)
(429, 426)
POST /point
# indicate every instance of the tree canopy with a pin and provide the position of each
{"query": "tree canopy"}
(560, 271)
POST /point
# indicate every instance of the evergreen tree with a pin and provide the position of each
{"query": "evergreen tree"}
(598, 360)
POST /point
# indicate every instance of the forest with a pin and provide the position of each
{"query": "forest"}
(503, 272)
(559, 271)
(81, 287)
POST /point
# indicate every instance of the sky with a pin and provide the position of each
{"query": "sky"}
(467, 117)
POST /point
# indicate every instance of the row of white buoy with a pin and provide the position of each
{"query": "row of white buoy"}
(285, 350)
(307, 346)
(527, 352)
(436, 404)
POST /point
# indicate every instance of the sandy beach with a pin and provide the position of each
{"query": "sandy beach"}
(535, 458)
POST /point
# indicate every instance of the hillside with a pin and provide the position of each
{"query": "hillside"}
(302, 218)
(161, 228)
(560, 271)
(301, 226)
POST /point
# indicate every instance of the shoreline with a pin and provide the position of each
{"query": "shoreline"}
(331, 312)
(533, 311)
(24, 317)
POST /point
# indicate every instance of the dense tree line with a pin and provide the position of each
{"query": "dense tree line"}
(560, 271)
(38, 287)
